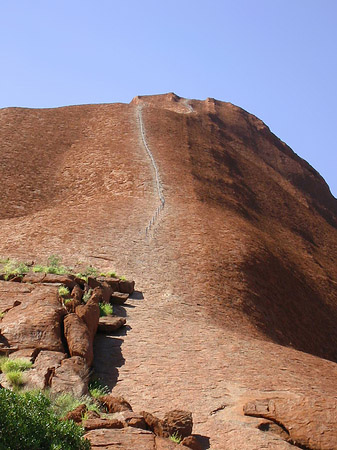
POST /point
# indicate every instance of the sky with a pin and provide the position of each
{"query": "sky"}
(276, 59)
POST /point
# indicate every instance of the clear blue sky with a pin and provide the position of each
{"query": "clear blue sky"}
(275, 58)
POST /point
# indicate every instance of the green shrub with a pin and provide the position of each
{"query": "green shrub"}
(90, 271)
(109, 273)
(97, 389)
(13, 369)
(63, 403)
(87, 295)
(14, 365)
(64, 291)
(105, 309)
(175, 437)
(15, 378)
(28, 422)
(12, 267)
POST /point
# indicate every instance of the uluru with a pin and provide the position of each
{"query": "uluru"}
(231, 240)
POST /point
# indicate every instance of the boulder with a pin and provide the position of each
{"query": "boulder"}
(191, 442)
(33, 278)
(178, 422)
(97, 295)
(77, 293)
(93, 282)
(89, 313)
(36, 321)
(115, 404)
(154, 424)
(79, 338)
(118, 298)
(112, 282)
(123, 439)
(40, 376)
(109, 324)
(131, 419)
(106, 289)
(26, 353)
(62, 279)
(310, 421)
(94, 424)
(71, 376)
(77, 414)
(126, 286)
(72, 305)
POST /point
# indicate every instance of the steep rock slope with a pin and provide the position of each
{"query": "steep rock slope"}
(238, 265)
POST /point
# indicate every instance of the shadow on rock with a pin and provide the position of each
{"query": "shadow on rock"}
(108, 357)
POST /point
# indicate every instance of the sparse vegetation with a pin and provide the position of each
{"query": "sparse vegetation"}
(10, 267)
(13, 267)
(175, 437)
(87, 295)
(64, 291)
(66, 402)
(97, 389)
(13, 369)
(105, 309)
(28, 421)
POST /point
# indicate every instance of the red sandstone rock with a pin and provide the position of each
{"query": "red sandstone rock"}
(36, 321)
(155, 425)
(118, 298)
(89, 313)
(112, 282)
(124, 439)
(243, 213)
(79, 338)
(126, 286)
(77, 414)
(94, 424)
(309, 422)
(115, 404)
(77, 293)
(71, 376)
(33, 278)
(29, 354)
(40, 376)
(191, 442)
(109, 324)
(167, 444)
(72, 305)
(178, 422)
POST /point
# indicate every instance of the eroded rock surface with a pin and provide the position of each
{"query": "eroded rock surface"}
(310, 422)
(125, 439)
(36, 321)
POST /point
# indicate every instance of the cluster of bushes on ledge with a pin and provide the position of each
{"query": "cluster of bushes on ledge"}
(11, 267)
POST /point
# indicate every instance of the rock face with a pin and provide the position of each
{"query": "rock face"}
(238, 271)
(300, 417)
(35, 321)
(125, 439)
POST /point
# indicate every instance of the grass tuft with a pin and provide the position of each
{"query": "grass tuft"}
(175, 437)
(97, 389)
(105, 309)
